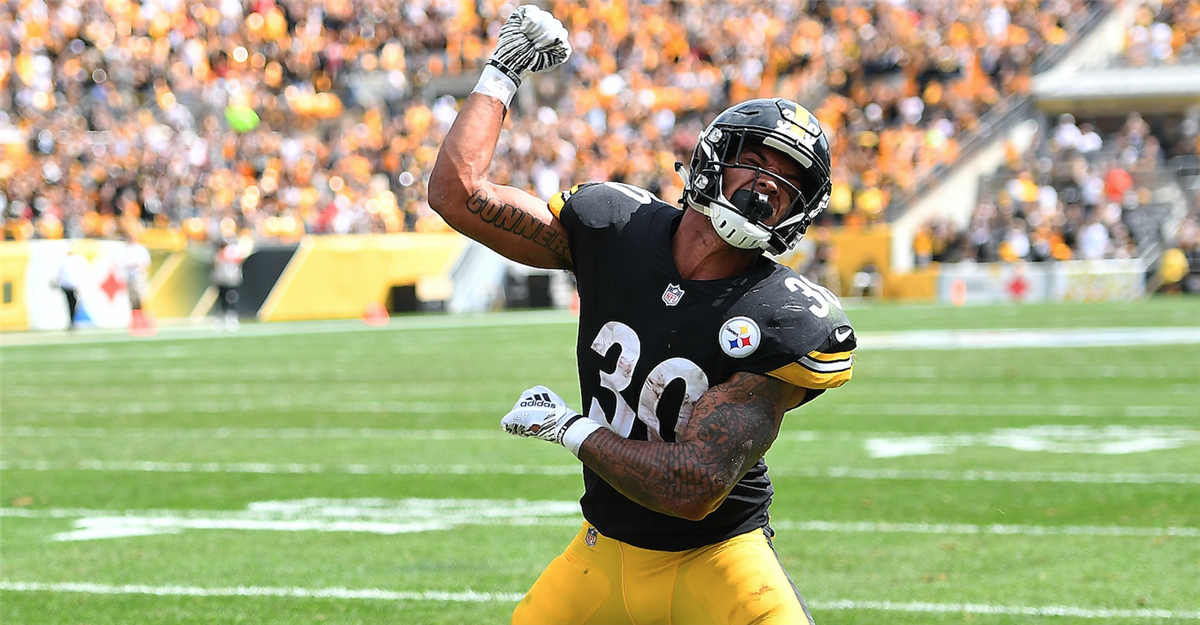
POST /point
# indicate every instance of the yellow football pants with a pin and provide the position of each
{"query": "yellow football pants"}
(607, 582)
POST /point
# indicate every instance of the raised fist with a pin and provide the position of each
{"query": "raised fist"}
(531, 40)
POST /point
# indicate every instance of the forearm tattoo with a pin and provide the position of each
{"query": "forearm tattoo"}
(509, 218)
(731, 427)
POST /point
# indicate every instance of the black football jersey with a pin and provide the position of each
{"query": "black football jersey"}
(650, 343)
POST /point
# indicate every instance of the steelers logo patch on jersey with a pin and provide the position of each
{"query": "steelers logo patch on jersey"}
(740, 337)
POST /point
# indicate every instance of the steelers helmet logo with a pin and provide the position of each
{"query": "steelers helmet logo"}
(740, 337)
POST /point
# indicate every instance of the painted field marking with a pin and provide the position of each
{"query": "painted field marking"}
(995, 529)
(1010, 410)
(255, 433)
(46, 408)
(985, 608)
(1006, 338)
(263, 405)
(412, 515)
(992, 476)
(290, 328)
(506, 469)
(1059, 439)
(1110, 440)
(1039, 338)
(376, 516)
(512, 597)
(291, 468)
(263, 591)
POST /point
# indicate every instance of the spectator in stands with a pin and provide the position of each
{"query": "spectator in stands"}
(1189, 243)
(1093, 243)
(1016, 245)
(1067, 136)
(1090, 141)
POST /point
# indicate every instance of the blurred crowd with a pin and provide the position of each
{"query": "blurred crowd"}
(1163, 33)
(280, 118)
(1076, 195)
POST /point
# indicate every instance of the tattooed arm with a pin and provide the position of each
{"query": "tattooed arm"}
(512, 222)
(732, 425)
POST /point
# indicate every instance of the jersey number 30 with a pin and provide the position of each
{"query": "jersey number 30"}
(615, 333)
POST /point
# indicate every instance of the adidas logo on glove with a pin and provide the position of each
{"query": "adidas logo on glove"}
(538, 401)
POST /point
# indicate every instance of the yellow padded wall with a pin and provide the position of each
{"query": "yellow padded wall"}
(336, 277)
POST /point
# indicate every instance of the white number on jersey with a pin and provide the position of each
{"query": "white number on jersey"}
(666, 372)
(821, 295)
(641, 196)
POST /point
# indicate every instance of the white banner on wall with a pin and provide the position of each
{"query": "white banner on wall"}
(1070, 281)
(1100, 280)
(103, 297)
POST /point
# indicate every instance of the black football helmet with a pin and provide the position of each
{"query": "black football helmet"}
(776, 123)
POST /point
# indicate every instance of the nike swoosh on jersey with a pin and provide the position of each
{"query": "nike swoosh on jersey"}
(841, 334)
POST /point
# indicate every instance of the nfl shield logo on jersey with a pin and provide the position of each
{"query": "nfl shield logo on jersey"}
(672, 295)
(740, 337)
(590, 538)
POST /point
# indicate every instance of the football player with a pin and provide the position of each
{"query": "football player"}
(692, 346)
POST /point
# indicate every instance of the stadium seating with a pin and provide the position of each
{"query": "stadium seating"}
(281, 119)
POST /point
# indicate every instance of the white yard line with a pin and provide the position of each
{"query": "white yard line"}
(254, 433)
(992, 476)
(291, 468)
(331, 326)
(463, 469)
(970, 529)
(985, 608)
(1030, 338)
(1006, 338)
(262, 591)
(1009, 410)
(472, 596)
(255, 406)
(393, 517)
(791, 436)
(287, 405)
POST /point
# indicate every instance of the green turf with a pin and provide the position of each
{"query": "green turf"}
(342, 411)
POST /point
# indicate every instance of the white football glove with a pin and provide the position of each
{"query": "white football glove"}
(541, 413)
(531, 40)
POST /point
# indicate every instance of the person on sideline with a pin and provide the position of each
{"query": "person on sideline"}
(692, 346)
(227, 277)
(135, 261)
(71, 274)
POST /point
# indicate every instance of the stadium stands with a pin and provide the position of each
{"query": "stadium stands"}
(280, 119)
(1114, 183)
(293, 117)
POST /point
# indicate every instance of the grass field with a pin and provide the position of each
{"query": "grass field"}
(332, 472)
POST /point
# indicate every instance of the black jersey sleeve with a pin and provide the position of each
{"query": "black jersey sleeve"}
(597, 206)
(596, 215)
(828, 366)
(806, 338)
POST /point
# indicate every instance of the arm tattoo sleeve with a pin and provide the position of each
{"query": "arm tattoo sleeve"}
(510, 218)
(732, 426)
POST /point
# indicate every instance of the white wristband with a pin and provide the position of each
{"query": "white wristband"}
(493, 82)
(577, 432)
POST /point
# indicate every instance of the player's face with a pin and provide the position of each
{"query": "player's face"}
(779, 195)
